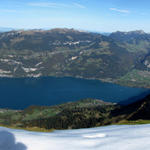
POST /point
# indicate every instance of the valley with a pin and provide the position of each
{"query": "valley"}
(74, 75)
(35, 55)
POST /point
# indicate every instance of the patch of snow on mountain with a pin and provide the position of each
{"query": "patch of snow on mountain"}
(102, 138)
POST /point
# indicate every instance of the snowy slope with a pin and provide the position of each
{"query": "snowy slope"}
(102, 138)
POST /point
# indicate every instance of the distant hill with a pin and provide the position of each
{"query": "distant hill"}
(134, 41)
(3, 29)
(121, 57)
(105, 33)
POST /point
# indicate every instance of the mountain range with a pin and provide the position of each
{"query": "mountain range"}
(121, 57)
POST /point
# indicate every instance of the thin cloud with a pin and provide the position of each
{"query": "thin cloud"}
(120, 10)
(78, 5)
(48, 4)
(55, 5)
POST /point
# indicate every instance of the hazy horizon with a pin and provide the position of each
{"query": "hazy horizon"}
(7, 29)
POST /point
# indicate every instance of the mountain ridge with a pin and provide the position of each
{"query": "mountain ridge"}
(69, 52)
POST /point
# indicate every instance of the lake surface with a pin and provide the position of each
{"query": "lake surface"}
(23, 92)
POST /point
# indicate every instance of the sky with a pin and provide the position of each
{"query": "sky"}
(88, 15)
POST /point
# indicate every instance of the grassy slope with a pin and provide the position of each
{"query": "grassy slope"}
(81, 114)
(136, 78)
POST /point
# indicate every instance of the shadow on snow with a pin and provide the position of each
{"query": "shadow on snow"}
(8, 142)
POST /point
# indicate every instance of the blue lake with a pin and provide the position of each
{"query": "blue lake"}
(19, 93)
